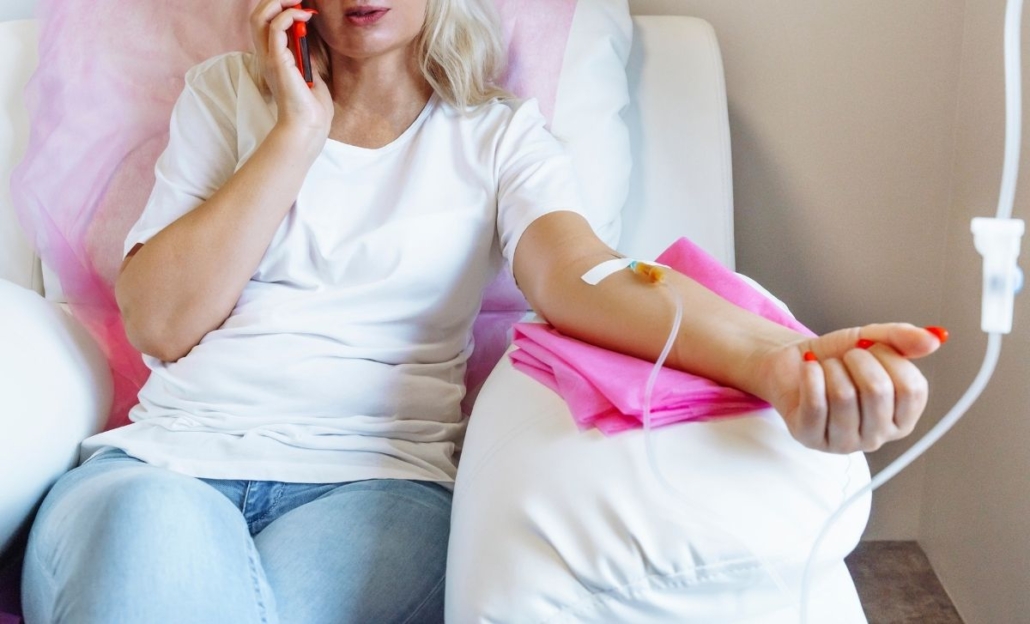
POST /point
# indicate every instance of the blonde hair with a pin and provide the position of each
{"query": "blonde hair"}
(460, 51)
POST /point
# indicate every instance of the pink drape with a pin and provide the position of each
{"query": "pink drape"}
(109, 73)
(605, 390)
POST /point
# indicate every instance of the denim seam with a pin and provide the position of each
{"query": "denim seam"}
(244, 501)
(50, 577)
(280, 489)
(251, 552)
(425, 601)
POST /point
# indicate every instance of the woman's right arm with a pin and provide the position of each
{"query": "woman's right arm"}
(185, 281)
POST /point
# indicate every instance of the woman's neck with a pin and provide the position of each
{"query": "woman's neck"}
(376, 99)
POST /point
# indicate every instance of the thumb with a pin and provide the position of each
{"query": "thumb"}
(908, 340)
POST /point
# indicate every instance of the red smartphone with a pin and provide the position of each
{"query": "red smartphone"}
(298, 41)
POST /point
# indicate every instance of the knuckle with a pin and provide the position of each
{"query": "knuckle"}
(840, 447)
(873, 444)
(921, 389)
(844, 443)
(881, 388)
(815, 439)
(914, 386)
(808, 435)
(257, 15)
(841, 394)
(801, 433)
(816, 443)
(906, 427)
(875, 436)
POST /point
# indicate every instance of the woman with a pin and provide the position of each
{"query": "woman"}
(303, 282)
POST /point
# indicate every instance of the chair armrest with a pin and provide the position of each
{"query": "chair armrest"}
(552, 524)
(55, 391)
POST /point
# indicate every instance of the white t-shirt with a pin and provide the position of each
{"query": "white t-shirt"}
(344, 357)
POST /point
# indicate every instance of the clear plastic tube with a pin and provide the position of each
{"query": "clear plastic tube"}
(1006, 200)
(920, 447)
(649, 392)
(1013, 107)
(932, 437)
(652, 458)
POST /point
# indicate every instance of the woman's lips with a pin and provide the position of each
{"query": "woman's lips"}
(365, 16)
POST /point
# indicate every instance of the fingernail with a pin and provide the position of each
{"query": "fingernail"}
(940, 332)
(864, 343)
(312, 11)
(810, 357)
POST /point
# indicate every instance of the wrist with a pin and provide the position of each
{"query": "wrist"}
(299, 140)
(772, 368)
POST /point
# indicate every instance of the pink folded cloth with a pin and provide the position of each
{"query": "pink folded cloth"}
(605, 389)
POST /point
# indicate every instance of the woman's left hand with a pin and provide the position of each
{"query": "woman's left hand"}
(857, 391)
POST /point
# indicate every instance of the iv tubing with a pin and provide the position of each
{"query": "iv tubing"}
(1013, 107)
(920, 447)
(652, 453)
(1006, 200)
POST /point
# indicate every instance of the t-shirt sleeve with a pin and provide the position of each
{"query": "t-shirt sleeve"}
(201, 154)
(535, 177)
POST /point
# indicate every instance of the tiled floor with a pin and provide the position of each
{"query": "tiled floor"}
(898, 586)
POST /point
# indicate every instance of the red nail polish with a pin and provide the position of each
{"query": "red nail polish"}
(810, 357)
(940, 332)
(864, 343)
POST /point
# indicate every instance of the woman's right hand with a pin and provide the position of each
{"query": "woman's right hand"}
(299, 107)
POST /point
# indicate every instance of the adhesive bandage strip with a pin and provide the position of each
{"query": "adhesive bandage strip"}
(597, 274)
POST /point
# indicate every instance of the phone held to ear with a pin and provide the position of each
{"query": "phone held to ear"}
(298, 42)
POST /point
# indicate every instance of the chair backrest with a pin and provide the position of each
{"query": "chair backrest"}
(681, 185)
(18, 263)
(682, 181)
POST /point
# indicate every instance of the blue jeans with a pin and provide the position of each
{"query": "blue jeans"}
(117, 540)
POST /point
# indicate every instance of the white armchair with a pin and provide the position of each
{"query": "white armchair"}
(550, 524)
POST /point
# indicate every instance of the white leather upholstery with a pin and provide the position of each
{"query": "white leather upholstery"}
(551, 524)
(682, 182)
(18, 263)
(55, 388)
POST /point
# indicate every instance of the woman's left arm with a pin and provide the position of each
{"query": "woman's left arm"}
(850, 399)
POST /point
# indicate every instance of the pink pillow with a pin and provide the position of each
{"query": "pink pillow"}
(99, 103)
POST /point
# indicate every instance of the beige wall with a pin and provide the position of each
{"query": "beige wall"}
(842, 117)
(866, 134)
(977, 485)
